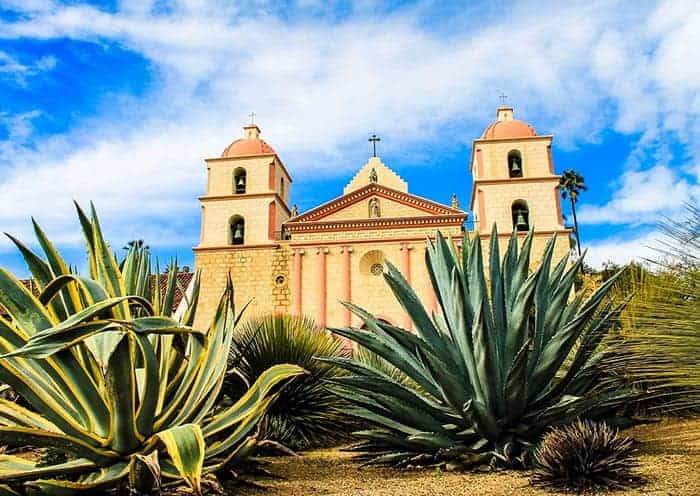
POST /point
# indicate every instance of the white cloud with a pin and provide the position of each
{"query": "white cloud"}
(319, 86)
(641, 196)
(622, 249)
(14, 70)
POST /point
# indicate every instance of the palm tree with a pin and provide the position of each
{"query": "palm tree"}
(571, 184)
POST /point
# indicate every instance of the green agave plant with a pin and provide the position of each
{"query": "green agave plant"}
(114, 380)
(499, 364)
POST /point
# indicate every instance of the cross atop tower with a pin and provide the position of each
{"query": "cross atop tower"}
(252, 117)
(373, 139)
(503, 98)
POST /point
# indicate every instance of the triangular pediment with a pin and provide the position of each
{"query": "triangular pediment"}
(375, 201)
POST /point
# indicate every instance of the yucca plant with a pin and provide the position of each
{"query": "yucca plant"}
(500, 363)
(585, 456)
(306, 414)
(113, 380)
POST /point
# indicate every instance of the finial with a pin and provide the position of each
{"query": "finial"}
(252, 117)
(373, 139)
(455, 201)
(373, 178)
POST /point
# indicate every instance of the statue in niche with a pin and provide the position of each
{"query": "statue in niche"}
(373, 178)
(374, 211)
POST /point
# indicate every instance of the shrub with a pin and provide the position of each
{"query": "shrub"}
(495, 368)
(113, 380)
(585, 456)
(306, 414)
(658, 346)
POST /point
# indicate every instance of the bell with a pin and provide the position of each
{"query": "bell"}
(514, 166)
(238, 233)
(520, 223)
(241, 182)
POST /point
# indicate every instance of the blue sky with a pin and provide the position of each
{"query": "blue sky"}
(120, 101)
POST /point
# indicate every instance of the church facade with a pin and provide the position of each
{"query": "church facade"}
(306, 263)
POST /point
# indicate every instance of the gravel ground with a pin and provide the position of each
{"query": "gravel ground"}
(669, 458)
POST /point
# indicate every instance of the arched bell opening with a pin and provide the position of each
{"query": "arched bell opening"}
(515, 164)
(521, 215)
(239, 181)
(236, 230)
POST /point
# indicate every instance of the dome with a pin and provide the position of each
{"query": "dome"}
(250, 145)
(506, 126)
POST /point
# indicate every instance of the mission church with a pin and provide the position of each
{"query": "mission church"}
(306, 263)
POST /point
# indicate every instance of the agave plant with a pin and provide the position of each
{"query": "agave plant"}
(306, 414)
(113, 380)
(496, 367)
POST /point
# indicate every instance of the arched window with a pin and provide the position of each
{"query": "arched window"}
(239, 181)
(237, 230)
(521, 215)
(515, 164)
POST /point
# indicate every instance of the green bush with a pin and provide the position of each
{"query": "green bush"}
(657, 348)
(114, 381)
(496, 367)
(585, 456)
(306, 414)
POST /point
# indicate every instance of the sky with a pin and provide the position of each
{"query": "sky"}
(118, 102)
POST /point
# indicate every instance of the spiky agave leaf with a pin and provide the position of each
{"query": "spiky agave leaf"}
(501, 360)
(94, 357)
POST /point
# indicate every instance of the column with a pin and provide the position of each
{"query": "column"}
(347, 283)
(322, 287)
(296, 282)
(432, 299)
(406, 271)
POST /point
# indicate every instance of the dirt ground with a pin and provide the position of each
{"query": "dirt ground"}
(669, 459)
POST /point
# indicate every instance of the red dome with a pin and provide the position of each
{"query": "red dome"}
(506, 126)
(246, 147)
(509, 129)
(251, 144)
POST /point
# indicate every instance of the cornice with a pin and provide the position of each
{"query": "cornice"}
(358, 195)
(375, 224)
(274, 195)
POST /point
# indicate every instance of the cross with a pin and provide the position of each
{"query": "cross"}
(252, 117)
(374, 140)
(503, 98)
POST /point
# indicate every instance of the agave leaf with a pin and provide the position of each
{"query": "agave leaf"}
(91, 292)
(411, 303)
(15, 415)
(261, 388)
(185, 445)
(86, 226)
(15, 468)
(44, 346)
(26, 310)
(24, 436)
(121, 391)
(71, 298)
(95, 483)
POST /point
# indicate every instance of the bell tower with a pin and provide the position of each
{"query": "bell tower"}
(514, 181)
(247, 197)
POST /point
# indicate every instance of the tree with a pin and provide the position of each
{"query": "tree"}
(572, 184)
